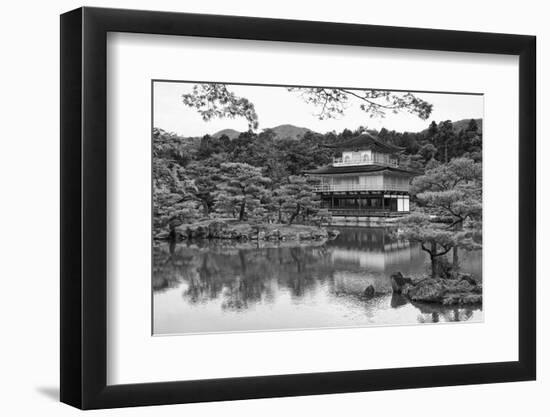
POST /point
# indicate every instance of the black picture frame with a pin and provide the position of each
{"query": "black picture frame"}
(84, 207)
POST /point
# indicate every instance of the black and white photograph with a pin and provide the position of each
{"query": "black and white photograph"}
(295, 207)
(264, 209)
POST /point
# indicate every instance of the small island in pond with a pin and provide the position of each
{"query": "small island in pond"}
(293, 196)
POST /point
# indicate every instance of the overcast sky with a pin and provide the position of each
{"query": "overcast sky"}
(276, 106)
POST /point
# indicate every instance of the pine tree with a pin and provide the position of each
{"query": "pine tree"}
(174, 200)
(301, 199)
(206, 178)
(443, 139)
(450, 191)
(240, 190)
(432, 130)
(434, 239)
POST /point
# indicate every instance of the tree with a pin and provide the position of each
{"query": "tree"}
(472, 126)
(445, 177)
(277, 201)
(210, 145)
(443, 138)
(173, 196)
(216, 101)
(434, 239)
(206, 178)
(453, 191)
(332, 102)
(414, 162)
(469, 141)
(428, 151)
(213, 100)
(240, 190)
(301, 199)
(433, 129)
(174, 200)
(170, 148)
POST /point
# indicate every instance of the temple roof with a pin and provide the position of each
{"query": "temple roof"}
(359, 169)
(366, 141)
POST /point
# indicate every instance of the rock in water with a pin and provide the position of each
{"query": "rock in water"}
(445, 291)
(369, 291)
(430, 290)
(398, 281)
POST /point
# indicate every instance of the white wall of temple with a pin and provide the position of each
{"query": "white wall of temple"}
(365, 157)
(396, 182)
(372, 181)
(356, 156)
(369, 182)
(348, 180)
(402, 202)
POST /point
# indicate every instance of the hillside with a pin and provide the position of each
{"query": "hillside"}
(230, 133)
(286, 131)
(461, 124)
(289, 131)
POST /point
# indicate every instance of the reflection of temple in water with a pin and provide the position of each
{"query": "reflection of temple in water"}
(204, 286)
(368, 256)
(375, 249)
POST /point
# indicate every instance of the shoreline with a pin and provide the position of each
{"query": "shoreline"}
(232, 230)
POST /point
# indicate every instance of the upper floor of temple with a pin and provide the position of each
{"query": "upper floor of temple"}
(366, 149)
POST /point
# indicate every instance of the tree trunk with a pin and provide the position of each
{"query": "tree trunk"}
(433, 258)
(242, 210)
(455, 257)
(458, 227)
(280, 215)
(434, 266)
(294, 214)
(205, 209)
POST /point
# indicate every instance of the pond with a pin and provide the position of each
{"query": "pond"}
(225, 286)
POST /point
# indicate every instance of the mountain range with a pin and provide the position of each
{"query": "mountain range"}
(285, 131)
(288, 131)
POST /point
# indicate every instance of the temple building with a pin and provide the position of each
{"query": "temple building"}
(366, 181)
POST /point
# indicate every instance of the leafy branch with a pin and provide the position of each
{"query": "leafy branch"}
(333, 101)
(216, 101)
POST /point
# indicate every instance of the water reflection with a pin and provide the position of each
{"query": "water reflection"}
(229, 286)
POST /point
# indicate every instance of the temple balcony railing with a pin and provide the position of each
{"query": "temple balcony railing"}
(339, 162)
(379, 212)
(359, 187)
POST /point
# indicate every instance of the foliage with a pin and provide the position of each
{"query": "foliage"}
(190, 180)
(332, 102)
(206, 178)
(216, 101)
(173, 196)
(433, 237)
(213, 100)
(240, 191)
(259, 176)
(452, 191)
(442, 138)
(300, 199)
